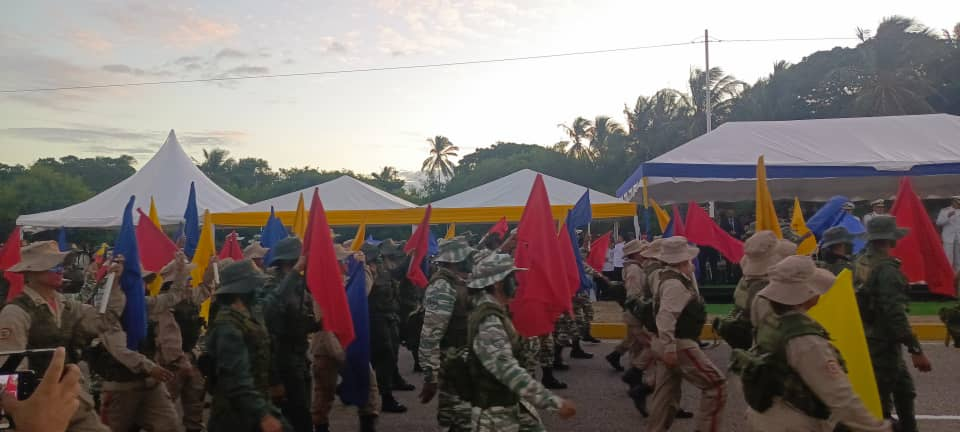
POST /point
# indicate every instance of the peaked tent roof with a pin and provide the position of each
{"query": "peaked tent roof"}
(342, 193)
(812, 159)
(166, 177)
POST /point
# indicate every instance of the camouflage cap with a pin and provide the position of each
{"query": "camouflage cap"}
(240, 277)
(453, 250)
(288, 249)
(491, 270)
(884, 228)
(837, 235)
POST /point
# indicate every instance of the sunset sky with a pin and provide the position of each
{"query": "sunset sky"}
(363, 121)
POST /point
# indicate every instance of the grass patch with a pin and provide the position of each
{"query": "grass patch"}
(929, 308)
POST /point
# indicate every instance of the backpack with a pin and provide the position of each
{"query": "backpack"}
(644, 310)
(735, 330)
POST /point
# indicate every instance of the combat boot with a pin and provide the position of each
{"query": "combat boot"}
(587, 337)
(614, 359)
(639, 395)
(633, 377)
(551, 382)
(368, 423)
(400, 384)
(578, 352)
(683, 414)
(390, 405)
(558, 363)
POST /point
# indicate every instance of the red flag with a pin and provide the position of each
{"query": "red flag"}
(598, 251)
(568, 262)
(156, 249)
(324, 278)
(542, 293)
(419, 243)
(9, 256)
(500, 227)
(921, 253)
(703, 231)
(231, 248)
(678, 228)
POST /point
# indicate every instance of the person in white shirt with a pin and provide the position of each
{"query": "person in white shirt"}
(849, 207)
(879, 208)
(949, 222)
(618, 259)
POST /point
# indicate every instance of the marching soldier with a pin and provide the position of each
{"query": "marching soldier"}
(680, 316)
(634, 280)
(289, 316)
(237, 363)
(447, 308)
(815, 393)
(503, 390)
(835, 250)
(41, 317)
(384, 322)
(882, 295)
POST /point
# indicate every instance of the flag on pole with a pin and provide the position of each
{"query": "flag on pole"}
(702, 230)
(663, 219)
(419, 244)
(154, 215)
(921, 253)
(675, 226)
(543, 294)
(300, 220)
(272, 233)
(355, 387)
(451, 231)
(598, 251)
(9, 256)
(809, 245)
(766, 213)
(134, 318)
(500, 227)
(569, 266)
(205, 249)
(323, 275)
(358, 240)
(838, 313)
(231, 248)
(98, 255)
(62, 240)
(191, 226)
(156, 249)
(579, 216)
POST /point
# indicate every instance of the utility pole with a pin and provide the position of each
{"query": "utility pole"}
(706, 76)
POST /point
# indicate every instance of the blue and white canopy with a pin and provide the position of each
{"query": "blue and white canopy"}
(861, 158)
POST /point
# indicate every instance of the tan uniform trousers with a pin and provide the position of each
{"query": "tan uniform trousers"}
(784, 418)
(328, 358)
(143, 403)
(188, 387)
(694, 367)
(85, 419)
(638, 343)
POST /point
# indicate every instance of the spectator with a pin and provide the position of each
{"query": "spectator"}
(879, 208)
(732, 225)
(949, 222)
(618, 259)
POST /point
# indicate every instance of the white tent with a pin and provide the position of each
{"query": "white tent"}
(861, 158)
(342, 193)
(166, 178)
(514, 189)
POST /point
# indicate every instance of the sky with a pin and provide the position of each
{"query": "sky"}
(364, 121)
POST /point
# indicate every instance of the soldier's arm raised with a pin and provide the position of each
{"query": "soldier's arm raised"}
(493, 349)
(438, 303)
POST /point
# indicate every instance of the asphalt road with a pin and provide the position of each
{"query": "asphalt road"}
(602, 403)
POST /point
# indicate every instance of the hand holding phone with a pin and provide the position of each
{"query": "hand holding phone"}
(53, 403)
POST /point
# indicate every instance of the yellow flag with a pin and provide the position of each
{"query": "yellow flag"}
(357, 242)
(451, 231)
(300, 220)
(809, 245)
(838, 312)
(663, 219)
(154, 287)
(766, 213)
(205, 249)
(154, 217)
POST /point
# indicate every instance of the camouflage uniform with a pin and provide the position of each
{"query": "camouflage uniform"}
(882, 292)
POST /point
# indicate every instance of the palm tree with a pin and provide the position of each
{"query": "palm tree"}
(724, 89)
(577, 132)
(603, 133)
(438, 164)
(217, 164)
(388, 179)
(657, 123)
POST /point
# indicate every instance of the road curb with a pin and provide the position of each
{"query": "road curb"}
(925, 331)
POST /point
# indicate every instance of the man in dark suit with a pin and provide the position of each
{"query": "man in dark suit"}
(731, 224)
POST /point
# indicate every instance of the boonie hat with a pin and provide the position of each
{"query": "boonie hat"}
(39, 256)
(491, 270)
(240, 277)
(759, 253)
(634, 246)
(288, 249)
(453, 250)
(675, 250)
(796, 279)
(884, 228)
(390, 248)
(652, 250)
(837, 235)
(255, 250)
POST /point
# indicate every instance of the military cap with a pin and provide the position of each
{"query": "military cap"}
(884, 228)
(491, 270)
(879, 202)
(240, 277)
(288, 249)
(38, 257)
(453, 250)
(849, 206)
(837, 235)
(391, 249)
(796, 279)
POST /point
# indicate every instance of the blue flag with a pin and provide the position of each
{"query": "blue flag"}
(827, 217)
(667, 233)
(134, 317)
(191, 226)
(272, 233)
(586, 282)
(581, 214)
(855, 227)
(370, 241)
(355, 387)
(433, 248)
(646, 223)
(62, 240)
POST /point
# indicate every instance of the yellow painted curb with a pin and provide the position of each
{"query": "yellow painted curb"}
(924, 331)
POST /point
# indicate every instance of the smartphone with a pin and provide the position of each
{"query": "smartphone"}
(19, 384)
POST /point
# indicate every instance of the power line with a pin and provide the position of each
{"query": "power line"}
(404, 67)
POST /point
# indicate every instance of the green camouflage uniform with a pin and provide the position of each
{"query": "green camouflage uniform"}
(384, 327)
(411, 315)
(835, 263)
(546, 346)
(494, 347)
(565, 331)
(736, 328)
(444, 327)
(882, 293)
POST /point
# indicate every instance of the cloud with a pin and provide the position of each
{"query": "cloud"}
(91, 41)
(111, 141)
(231, 53)
(128, 70)
(180, 26)
(245, 70)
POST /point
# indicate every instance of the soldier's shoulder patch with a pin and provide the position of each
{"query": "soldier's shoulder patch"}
(5, 333)
(833, 368)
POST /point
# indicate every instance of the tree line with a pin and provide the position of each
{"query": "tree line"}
(901, 68)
